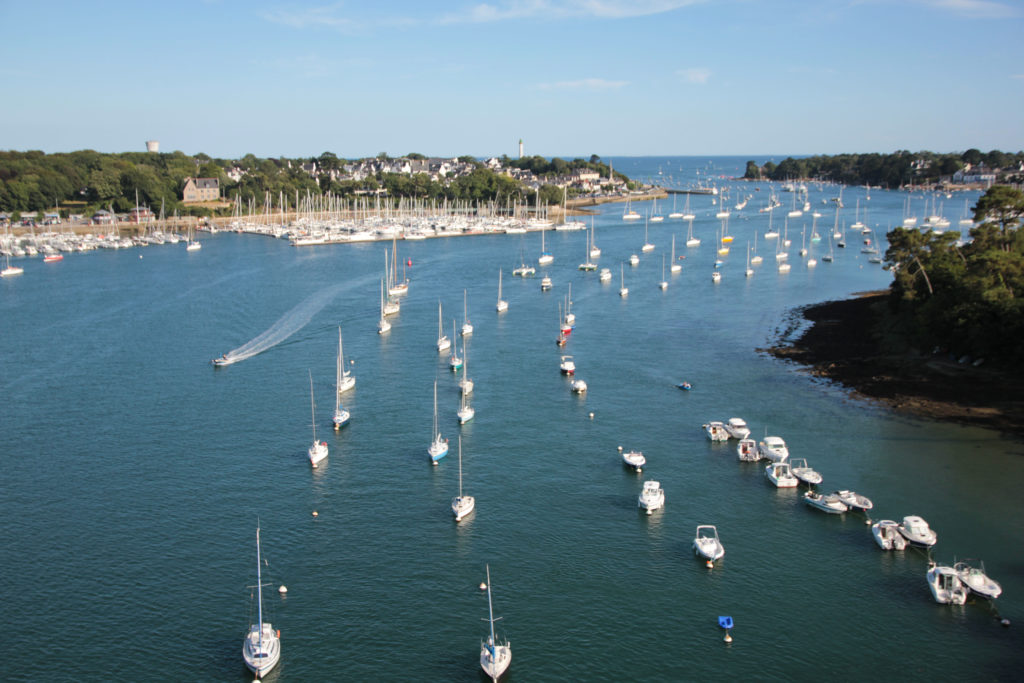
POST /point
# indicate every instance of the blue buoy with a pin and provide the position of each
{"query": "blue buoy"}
(725, 622)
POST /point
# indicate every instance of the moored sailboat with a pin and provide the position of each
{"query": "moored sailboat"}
(495, 655)
(318, 450)
(438, 445)
(261, 649)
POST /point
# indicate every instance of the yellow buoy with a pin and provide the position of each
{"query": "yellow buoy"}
(483, 586)
(728, 638)
(315, 513)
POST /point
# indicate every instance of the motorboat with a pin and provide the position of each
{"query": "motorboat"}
(606, 275)
(716, 276)
(779, 474)
(222, 361)
(707, 543)
(634, 260)
(854, 500)
(826, 503)
(887, 535)
(802, 471)
(773, 448)
(716, 431)
(975, 578)
(946, 586)
(652, 497)
(495, 655)
(747, 450)
(545, 283)
(567, 366)
(685, 386)
(916, 530)
(261, 648)
(579, 386)
(634, 459)
(737, 428)
(524, 270)
(462, 505)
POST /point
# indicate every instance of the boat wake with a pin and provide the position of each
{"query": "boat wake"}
(290, 323)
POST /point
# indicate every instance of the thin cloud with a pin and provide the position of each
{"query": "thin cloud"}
(697, 75)
(584, 84)
(560, 9)
(977, 9)
(1017, 76)
(325, 16)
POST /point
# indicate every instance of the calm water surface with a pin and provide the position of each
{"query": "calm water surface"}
(134, 474)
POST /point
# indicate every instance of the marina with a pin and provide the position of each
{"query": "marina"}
(104, 489)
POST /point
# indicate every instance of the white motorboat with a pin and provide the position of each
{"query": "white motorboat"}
(606, 275)
(707, 543)
(737, 428)
(854, 500)
(773, 448)
(780, 474)
(318, 450)
(438, 445)
(579, 386)
(716, 276)
(975, 578)
(747, 450)
(261, 649)
(802, 471)
(495, 655)
(467, 327)
(916, 530)
(887, 535)
(652, 497)
(462, 505)
(827, 503)
(545, 283)
(634, 260)
(567, 366)
(716, 431)
(634, 459)
(502, 305)
(946, 586)
(443, 342)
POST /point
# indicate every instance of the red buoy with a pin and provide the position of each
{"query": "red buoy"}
(408, 262)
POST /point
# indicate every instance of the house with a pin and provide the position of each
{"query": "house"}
(140, 215)
(969, 175)
(201, 190)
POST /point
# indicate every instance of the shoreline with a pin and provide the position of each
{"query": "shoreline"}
(843, 344)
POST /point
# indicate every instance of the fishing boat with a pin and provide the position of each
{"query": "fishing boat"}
(707, 544)
(746, 450)
(674, 266)
(261, 648)
(495, 655)
(773, 448)
(438, 445)
(826, 503)
(887, 535)
(802, 471)
(716, 431)
(634, 459)
(502, 304)
(318, 450)
(454, 362)
(737, 428)
(623, 289)
(855, 501)
(917, 531)
(780, 474)
(652, 497)
(383, 326)
(545, 257)
(467, 327)
(443, 343)
(567, 365)
(341, 416)
(945, 584)
(462, 505)
(975, 578)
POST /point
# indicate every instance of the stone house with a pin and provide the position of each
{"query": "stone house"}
(201, 190)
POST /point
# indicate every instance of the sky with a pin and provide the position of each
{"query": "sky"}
(568, 77)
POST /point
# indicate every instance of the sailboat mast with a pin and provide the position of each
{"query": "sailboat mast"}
(460, 466)
(312, 405)
(338, 374)
(490, 615)
(259, 588)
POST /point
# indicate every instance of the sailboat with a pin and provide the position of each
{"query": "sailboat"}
(9, 270)
(771, 234)
(675, 214)
(383, 326)
(467, 328)
(664, 283)
(756, 260)
(454, 362)
(443, 343)
(629, 214)
(192, 244)
(724, 238)
(857, 225)
(687, 216)
(396, 288)
(595, 251)
(495, 656)
(655, 217)
(545, 255)
(647, 245)
(465, 384)
(674, 267)
(462, 505)
(811, 261)
(749, 271)
(318, 450)
(623, 290)
(563, 336)
(438, 445)
(570, 317)
(587, 263)
(261, 649)
(391, 305)
(502, 304)
(343, 382)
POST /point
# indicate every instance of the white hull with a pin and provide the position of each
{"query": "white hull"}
(887, 535)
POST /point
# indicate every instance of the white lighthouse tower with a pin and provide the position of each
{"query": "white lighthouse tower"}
(520, 148)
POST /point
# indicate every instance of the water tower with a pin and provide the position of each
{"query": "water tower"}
(153, 146)
(520, 148)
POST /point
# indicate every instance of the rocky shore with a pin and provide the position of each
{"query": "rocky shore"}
(844, 343)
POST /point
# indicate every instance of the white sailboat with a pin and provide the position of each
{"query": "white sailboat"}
(438, 445)
(346, 380)
(675, 214)
(454, 362)
(396, 288)
(674, 266)
(647, 246)
(465, 384)
(749, 271)
(391, 304)
(623, 290)
(343, 382)
(687, 214)
(502, 305)
(462, 505)
(755, 259)
(595, 251)
(318, 450)
(664, 283)
(261, 649)
(495, 655)
(545, 257)
(9, 270)
(193, 244)
(443, 343)
(655, 216)
(383, 326)
(467, 327)
(587, 263)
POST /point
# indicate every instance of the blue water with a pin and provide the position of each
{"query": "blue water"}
(134, 473)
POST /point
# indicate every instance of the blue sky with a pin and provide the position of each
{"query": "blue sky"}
(570, 77)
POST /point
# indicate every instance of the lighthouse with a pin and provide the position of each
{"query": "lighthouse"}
(520, 148)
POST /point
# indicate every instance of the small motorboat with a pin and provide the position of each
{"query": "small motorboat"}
(561, 339)
(652, 497)
(887, 535)
(779, 474)
(773, 448)
(977, 580)
(747, 450)
(222, 361)
(707, 544)
(53, 258)
(737, 428)
(855, 501)
(916, 530)
(634, 459)
(579, 386)
(685, 386)
(567, 366)
(802, 471)
(545, 284)
(946, 586)
(826, 503)
(716, 431)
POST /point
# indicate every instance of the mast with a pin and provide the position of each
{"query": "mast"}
(337, 380)
(460, 466)
(312, 404)
(435, 434)
(259, 588)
